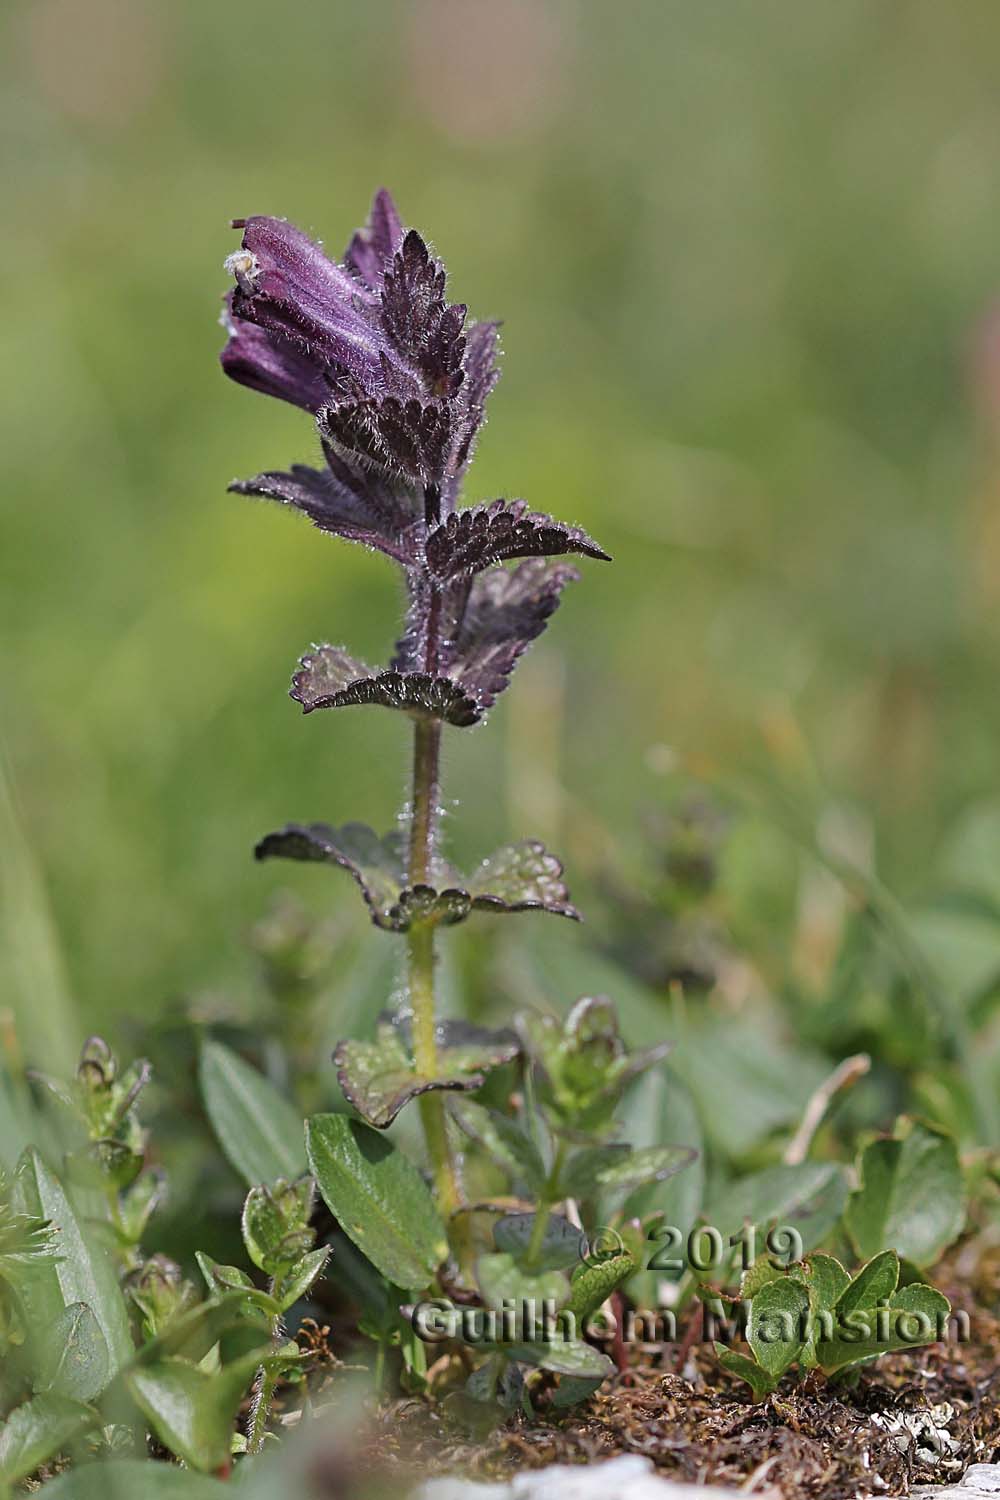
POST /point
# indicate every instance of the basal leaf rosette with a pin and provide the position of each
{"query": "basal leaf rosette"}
(516, 877)
(379, 1077)
(814, 1314)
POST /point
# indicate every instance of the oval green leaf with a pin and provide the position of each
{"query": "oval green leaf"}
(777, 1325)
(911, 1197)
(379, 1198)
(84, 1272)
(562, 1244)
(259, 1130)
(75, 1360)
(39, 1429)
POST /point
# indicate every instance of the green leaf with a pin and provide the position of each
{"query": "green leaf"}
(573, 1389)
(874, 1283)
(758, 1275)
(580, 1175)
(221, 1279)
(637, 1168)
(74, 1361)
(134, 1479)
(738, 1364)
(825, 1280)
(192, 1411)
(564, 1357)
(518, 877)
(104, 1164)
(504, 1141)
(767, 1082)
(590, 1285)
(276, 1223)
(500, 1277)
(297, 1281)
(562, 1244)
(657, 1108)
(191, 1334)
(808, 1198)
(84, 1273)
(521, 877)
(865, 1333)
(777, 1322)
(378, 1078)
(911, 1196)
(257, 1128)
(379, 1198)
(38, 1430)
(135, 1208)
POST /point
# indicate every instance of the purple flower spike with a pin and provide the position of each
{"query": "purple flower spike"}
(397, 378)
(372, 345)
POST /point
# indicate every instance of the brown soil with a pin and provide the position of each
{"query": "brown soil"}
(807, 1440)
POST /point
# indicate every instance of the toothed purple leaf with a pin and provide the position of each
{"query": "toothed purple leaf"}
(482, 371)
(356, 507)
(378, 1078)
(330, 678)
(419, 324)
(470, 540)
(506, 611)
(413, 437)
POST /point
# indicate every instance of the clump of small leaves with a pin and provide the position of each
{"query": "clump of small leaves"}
(818, 1317)
(101, 1343)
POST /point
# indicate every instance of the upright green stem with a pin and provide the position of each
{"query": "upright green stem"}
(423, 812)
(420, 959)
(544, 1210)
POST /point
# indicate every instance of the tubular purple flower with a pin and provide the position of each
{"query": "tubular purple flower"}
(286, 285)
(257, 359)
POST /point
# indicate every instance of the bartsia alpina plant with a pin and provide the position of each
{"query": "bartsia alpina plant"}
(397, 378)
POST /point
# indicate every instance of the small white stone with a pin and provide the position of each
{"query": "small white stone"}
(629, 1477)
(979, 1480)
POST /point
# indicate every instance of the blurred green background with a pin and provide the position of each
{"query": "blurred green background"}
(746, 254)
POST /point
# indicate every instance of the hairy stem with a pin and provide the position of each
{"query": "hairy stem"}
(420, 961)
(264, 1387)
(424, 800)
(260, 1405)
